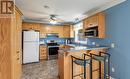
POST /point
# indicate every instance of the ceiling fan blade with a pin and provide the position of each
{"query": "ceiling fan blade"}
(59, 19)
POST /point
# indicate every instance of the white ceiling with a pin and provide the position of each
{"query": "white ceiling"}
(67, 10)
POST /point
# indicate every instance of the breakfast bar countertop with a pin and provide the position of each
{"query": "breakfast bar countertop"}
(77, 48)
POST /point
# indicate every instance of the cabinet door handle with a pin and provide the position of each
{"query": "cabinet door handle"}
(91, 24)
(18, 52)
(18, 58)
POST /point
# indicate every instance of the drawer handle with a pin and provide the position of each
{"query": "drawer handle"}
(18, 58)
(18, 51)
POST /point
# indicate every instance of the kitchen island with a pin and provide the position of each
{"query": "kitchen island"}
(65, 61)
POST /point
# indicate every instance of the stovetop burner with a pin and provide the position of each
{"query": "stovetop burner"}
(52, 44)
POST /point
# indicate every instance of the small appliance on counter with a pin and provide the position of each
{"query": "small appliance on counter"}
(67, 41)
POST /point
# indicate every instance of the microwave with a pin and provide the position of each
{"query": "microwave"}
(91, 32)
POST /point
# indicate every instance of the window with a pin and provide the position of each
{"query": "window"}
(77, 27)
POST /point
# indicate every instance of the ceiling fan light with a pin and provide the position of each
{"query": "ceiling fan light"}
(53, 22)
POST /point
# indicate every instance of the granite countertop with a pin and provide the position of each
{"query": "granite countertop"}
(43, 45)
(77, 48)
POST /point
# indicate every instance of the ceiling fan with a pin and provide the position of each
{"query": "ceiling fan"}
(55, 20)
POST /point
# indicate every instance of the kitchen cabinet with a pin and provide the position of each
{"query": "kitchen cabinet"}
(72, 31)
(43, 31)
(17, 54)
(96, 20)
(61, 66)
(11, 50)
(66, 31)
(63, 31)
(52, 29)
(43, 52)
(30, 26)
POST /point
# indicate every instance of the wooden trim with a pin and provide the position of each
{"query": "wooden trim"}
(17, 9)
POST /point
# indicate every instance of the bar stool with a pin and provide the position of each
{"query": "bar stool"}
(83, 63)
(105, 58)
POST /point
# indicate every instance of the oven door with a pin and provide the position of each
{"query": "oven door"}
(53, 50)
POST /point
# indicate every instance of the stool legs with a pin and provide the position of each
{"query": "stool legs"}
(72, 68)
(91, 68)
(84, 64)
(84, 69)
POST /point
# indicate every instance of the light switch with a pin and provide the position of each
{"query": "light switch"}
(113, 69)
(111, 77)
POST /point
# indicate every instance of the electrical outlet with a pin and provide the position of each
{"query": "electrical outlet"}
(111, 77)
(113, 69)
(112, 45)
(93, 43)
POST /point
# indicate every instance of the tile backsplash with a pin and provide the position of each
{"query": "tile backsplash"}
(59, 40)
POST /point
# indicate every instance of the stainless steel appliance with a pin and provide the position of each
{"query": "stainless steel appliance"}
(53, 48)
(91, 32)
(52, 35)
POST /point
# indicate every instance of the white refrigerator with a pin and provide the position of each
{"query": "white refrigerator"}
(30, 46)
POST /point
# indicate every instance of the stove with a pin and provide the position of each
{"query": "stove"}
(53, 48)
(52, 44)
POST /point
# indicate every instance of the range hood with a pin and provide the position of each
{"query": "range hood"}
(55, 35)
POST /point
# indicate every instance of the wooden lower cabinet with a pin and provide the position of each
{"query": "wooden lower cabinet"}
(65, 65)
(61, 66)
(43, 52)
(10, 47)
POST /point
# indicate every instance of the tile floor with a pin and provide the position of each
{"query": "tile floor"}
(43, 70)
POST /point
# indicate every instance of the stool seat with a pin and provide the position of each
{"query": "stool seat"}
(81, 62)
(84, 63)
(99, 58)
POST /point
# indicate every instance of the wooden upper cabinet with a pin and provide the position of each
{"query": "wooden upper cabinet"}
(42, 31)
(71, 31)
(30, 26)
(91, 21)
(101, 25)
(60, 30)
(63, 31)
(86, 23)
(51, 29)
(96, 20)
(66, 31)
